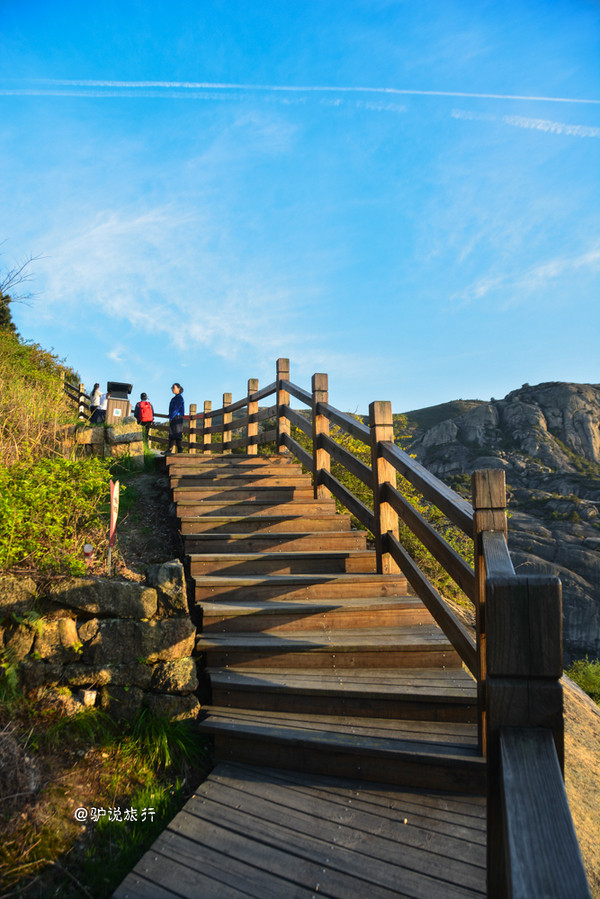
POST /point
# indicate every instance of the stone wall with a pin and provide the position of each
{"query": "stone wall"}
(125, 438)
(99, 641)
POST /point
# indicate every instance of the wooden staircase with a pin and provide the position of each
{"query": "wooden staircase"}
(316, 662)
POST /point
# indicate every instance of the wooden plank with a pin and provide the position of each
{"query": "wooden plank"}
(310, 812)
(136, 886)
(267, 436)
(249, 524)
(354, 505)
(275, 857)
(202, 862)
(264, 392)
(544, 858)
(457, 509)
(354, 840)
(461, 573)
(297, 450)
(298, 392)
(299, 420)
(445, 617)
(345, 458)
(346, 422)
(498, 562)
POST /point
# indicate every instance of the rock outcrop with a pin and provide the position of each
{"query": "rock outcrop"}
(547, 440)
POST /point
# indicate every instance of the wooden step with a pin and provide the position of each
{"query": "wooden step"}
(227, 460)
(271, 543)
(311, 614)
(418, 646)
(318, 562)
(257, 508)
(247, 494)
(422, 754)
(298, 586)
(269, 481)
(419, 694)
(273, 524)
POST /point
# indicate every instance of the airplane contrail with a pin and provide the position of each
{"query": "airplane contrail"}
(185, 86)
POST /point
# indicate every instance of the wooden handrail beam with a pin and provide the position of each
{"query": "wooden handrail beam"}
(459, 570)
(350, 462)
(298, 420)
(354, 505)
(543, 855)
(454, 507)
(296, 391)
(498, 562)
(346, 422)
(298, 451)
(454, 629)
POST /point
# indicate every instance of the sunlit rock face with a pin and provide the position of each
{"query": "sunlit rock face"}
(547, 440)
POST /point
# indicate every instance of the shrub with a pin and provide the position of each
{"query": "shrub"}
(48, 509)
(586, 675)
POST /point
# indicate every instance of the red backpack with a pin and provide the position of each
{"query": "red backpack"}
(146, 411)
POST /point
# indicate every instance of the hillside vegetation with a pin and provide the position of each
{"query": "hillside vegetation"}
(49, 504)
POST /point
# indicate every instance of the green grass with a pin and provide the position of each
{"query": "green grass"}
(139, 774)
(586, 674)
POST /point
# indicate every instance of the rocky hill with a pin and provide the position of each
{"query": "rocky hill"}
(547, 439)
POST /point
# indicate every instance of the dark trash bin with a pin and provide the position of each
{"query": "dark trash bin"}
(118, 390)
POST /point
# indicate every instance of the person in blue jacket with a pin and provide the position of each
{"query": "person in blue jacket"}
(176, 413)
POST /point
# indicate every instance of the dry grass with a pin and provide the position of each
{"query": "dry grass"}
(582, 776)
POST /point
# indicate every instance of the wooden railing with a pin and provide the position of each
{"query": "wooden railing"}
(516, 653)
(77, 396)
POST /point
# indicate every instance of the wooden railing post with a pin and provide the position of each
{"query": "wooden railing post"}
(489, 514)
(283, 399)
(386, 518)
(320, 425)
(193, 409)
(227, 417)
(252, 432)
(523, 690)
(81, 409)
(206, 423)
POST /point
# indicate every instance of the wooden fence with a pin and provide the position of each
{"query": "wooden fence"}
(516, 654)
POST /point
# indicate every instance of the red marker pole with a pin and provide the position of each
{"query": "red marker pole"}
(114, 511)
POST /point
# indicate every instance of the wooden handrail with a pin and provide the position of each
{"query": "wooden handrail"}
(345, 422)
(460, 572)
(454, 507)
(449, 622)
(546, 860)
(296, 391)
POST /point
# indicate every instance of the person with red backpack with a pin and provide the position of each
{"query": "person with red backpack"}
(144, 414)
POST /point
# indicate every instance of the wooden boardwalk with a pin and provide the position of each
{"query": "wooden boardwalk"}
(343, 721)
(253, 831)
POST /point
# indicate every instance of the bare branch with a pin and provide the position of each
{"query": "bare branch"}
(15, 277)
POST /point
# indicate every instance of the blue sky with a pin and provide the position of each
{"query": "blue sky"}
(401, 193)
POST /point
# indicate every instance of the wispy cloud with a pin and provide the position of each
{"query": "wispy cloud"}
(545, 125)
(518, 285)
(73, 87)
